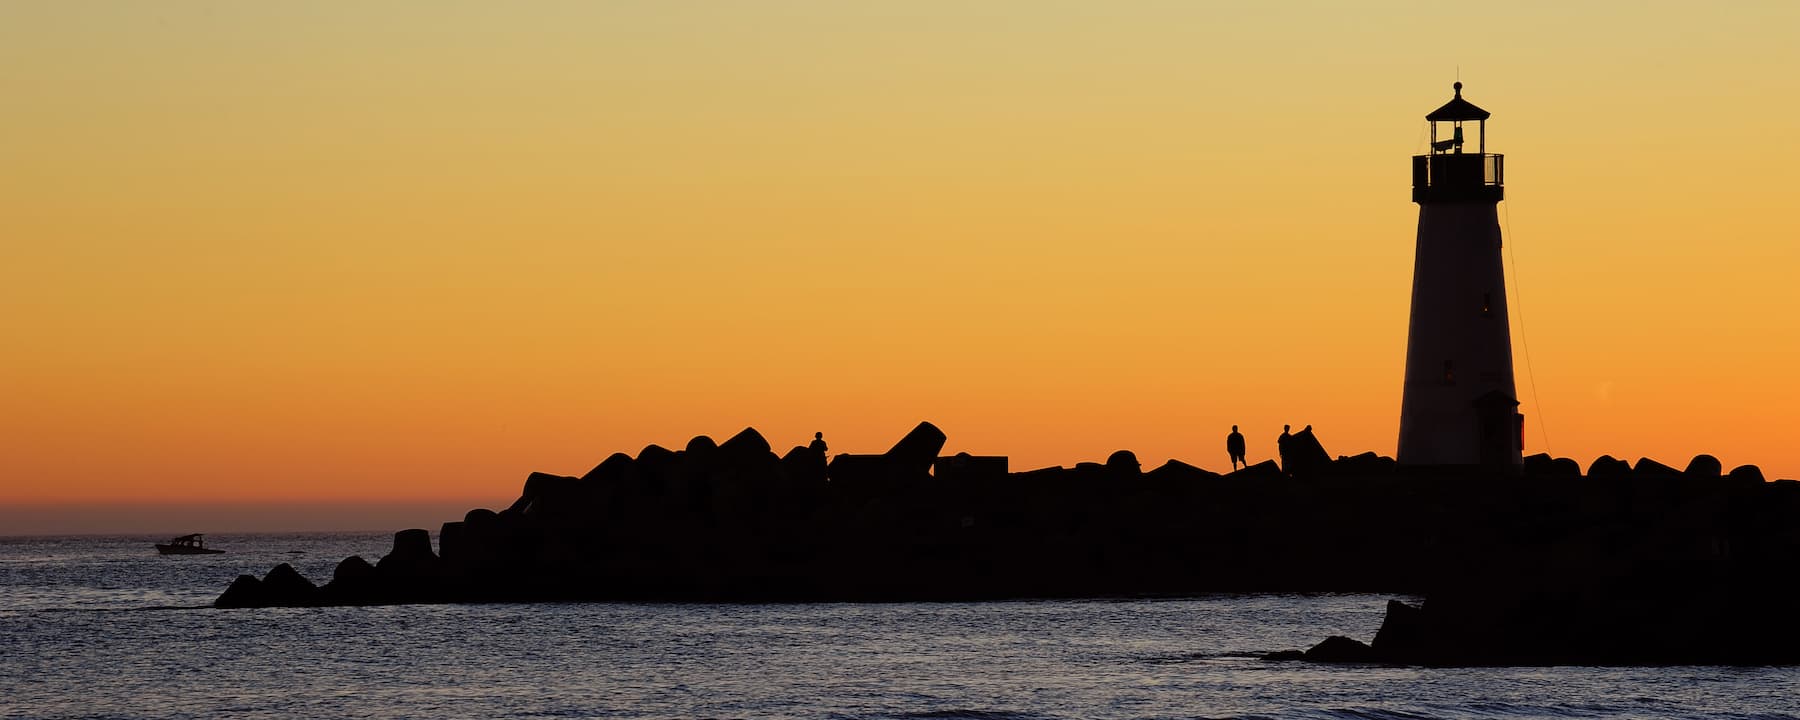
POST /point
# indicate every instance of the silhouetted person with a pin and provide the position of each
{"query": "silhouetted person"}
(1234, 444)
(818, 443)
(1281, 446)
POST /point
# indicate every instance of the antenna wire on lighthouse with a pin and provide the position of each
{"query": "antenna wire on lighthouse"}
(1519, 298)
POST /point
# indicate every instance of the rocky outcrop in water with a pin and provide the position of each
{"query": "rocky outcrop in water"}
(283, 586)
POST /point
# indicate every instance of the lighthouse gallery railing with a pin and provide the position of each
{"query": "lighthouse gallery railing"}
(1458, 176)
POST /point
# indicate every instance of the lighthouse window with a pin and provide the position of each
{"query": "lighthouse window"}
(1449, 373)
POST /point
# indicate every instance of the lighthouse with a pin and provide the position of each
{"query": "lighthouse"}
(1458, 406)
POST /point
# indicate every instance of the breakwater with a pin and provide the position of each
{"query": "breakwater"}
(734, 521)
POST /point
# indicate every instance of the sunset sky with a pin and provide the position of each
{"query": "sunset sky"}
(412, 251)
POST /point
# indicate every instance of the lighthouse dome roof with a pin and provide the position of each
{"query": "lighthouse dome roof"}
(1457, 109)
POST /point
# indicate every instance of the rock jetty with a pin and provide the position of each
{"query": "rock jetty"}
(1623, 563)
(1629, 565)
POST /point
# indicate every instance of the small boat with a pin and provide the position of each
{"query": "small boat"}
(187, 545)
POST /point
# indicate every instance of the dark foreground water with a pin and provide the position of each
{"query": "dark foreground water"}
(105, 628)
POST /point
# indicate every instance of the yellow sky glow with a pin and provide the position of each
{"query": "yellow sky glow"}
(416, 250)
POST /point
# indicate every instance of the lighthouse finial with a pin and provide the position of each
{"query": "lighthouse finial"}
(1458, 88)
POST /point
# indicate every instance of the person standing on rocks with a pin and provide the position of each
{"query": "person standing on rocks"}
(1281, 445)
(818, 444)
(1234, 444)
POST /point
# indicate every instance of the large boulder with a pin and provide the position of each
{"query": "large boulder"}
(610, 470)
(701, 445)
(411, 559)
(1304, 456)
(1565, 468)
(1704, 467)
(353, 582)
(654, 454)
(412, 545)
(918, 450)
(411, 572)
(659, 468)
(748, 444)
(453, 540)
(1747, 474)
(1539, 465)
(245, 592)
(285, 587)
(1123, 462)
(542, 489)
(353, 571)
(1402, 632)
(1607, 467)
(693, 474)
(479, 518)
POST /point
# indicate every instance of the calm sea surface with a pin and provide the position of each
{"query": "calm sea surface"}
(103, 627)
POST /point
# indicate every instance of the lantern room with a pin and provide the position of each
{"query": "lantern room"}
(1450, 173)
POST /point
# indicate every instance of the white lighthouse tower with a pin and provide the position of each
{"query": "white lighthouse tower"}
(1458, 405)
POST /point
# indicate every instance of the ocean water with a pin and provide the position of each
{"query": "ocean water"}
(103, 627)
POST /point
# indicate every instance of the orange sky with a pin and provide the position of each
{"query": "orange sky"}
(413, 251)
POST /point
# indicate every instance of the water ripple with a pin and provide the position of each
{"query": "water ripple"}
(107, 631)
